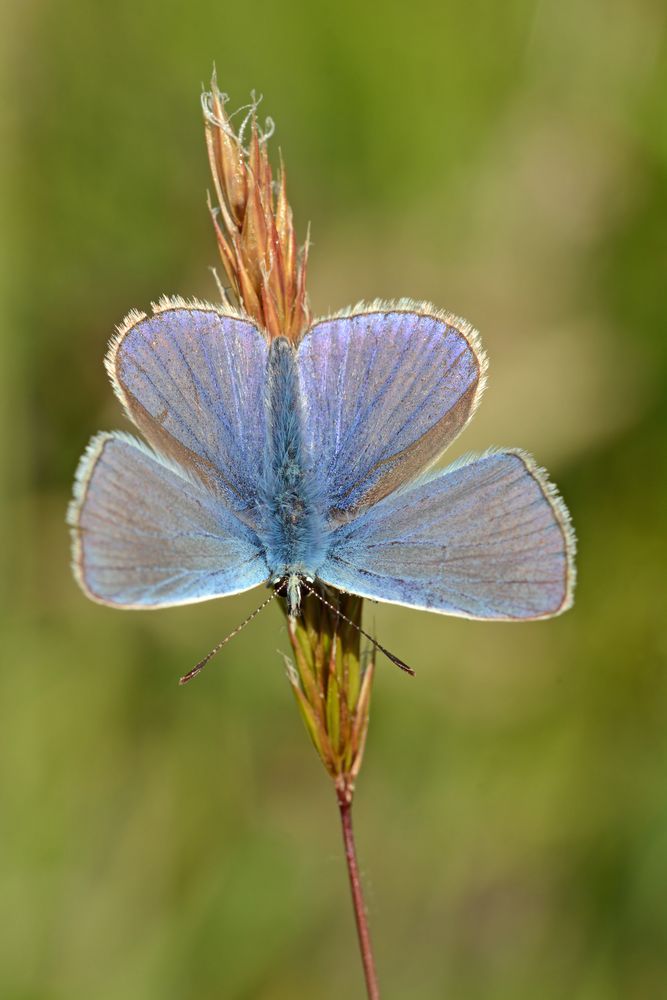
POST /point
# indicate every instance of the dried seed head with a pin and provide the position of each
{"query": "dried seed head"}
(253, 222)
(331, 685)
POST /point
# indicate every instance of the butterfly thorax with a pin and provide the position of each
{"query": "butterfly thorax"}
(293, 524)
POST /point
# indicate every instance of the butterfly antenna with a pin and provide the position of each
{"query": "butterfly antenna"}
(383, 649)
(197, 669)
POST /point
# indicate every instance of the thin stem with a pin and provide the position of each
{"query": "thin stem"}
(360, 914)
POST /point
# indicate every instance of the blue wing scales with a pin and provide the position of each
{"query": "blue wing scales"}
(192, 378)
(487, 538)
(146, 536)
(385, 391)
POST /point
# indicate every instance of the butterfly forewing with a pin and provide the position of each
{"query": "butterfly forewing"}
(192, 380)
(385, 391)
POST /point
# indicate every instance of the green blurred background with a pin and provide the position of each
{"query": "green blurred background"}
(508, 162)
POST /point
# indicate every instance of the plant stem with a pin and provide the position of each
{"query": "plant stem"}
(360, 914)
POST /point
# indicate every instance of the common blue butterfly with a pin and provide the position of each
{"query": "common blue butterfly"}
(270, 462)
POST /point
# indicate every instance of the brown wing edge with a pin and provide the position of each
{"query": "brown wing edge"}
(564, 520)
(82, 478)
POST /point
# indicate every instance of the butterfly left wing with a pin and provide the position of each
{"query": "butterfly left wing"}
(145, 535)
(487, 538)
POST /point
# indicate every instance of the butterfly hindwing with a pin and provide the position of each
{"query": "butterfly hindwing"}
(487, 538)
(146, 536)
(385, 391)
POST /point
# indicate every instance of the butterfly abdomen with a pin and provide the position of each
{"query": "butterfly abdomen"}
(293, 525)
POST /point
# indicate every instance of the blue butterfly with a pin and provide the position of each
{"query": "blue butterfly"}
(296, 465)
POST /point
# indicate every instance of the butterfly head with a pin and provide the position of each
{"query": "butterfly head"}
(293, 595)
(289, 585)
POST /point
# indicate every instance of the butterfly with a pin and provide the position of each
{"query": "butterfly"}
(310, 464)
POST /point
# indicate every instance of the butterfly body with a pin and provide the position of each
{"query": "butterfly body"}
(294, 533)
(278, 463)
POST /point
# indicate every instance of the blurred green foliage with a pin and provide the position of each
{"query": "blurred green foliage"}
(508, 162)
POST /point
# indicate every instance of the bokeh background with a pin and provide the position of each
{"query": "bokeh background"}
(508, 162)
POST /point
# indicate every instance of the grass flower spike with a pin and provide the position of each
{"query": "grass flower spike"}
(253, 221)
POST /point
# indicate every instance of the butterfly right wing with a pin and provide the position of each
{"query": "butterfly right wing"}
(146, 535)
